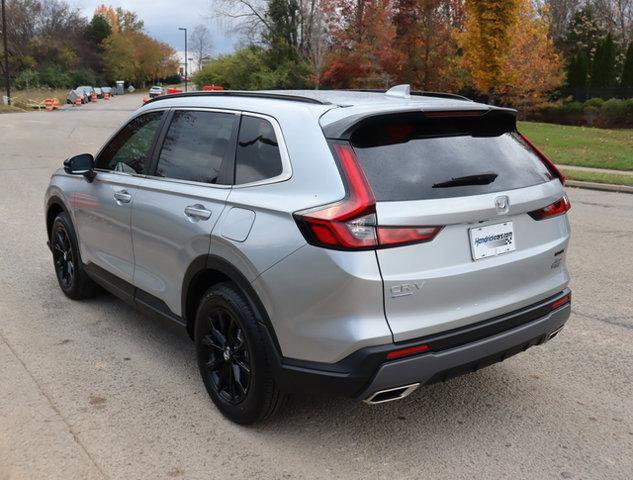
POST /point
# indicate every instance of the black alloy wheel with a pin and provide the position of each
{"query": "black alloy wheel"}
(64, 258)
(226, 356)
(234, 356)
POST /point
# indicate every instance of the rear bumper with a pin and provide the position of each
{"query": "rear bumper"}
(453, 353)
(439, 366)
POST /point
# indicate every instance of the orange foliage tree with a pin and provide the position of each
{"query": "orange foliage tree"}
(512, 58)
(486, 42)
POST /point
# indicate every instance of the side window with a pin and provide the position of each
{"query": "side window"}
(128, 152)
(197, 146)
(258, 156)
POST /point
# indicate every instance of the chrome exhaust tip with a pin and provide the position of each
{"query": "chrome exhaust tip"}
(391, 394)
(554, 333)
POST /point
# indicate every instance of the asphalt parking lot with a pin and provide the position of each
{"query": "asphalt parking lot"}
(95, 390)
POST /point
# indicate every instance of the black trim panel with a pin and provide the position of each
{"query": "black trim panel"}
(127, 292)
(348, 376)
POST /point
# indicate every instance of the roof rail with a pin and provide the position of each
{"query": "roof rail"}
(240, 93)
(419, 93)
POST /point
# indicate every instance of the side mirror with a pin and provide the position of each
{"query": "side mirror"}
(83, 164)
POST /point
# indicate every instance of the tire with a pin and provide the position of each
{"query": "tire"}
(72, 278)
(233, 357)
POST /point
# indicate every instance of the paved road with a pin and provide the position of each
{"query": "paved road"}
(95, 390)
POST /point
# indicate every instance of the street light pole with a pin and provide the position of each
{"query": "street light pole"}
(6, 53)
(185, 30)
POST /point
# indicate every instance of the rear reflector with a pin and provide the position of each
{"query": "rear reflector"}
(561, 301)
(405, 352)
(559, 207)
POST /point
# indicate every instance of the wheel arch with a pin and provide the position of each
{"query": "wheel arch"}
(55, 206)
(208, 270)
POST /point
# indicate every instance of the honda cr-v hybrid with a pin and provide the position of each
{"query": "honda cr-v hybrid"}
(351, 243)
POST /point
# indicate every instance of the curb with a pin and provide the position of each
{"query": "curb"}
(604, 187)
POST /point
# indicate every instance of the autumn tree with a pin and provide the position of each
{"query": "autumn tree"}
(426, 39)
(486, 42)
(136, 57)
(533, 66)
(364, 35)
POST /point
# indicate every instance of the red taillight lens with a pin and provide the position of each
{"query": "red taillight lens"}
(405, 352)
(557, 208)
(351, 223)
(561, 301)
(403, 235)
(545, 159)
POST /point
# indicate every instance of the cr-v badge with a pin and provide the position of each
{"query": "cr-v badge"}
(405, 289)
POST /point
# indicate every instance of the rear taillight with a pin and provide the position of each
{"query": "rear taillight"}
(545, 159)
(351, 224)
(559, 207)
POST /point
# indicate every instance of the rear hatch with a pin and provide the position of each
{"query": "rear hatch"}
(471, 175)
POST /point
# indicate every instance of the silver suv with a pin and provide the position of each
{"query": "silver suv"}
(351, 243)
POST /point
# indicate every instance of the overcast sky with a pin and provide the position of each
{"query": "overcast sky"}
(163, 17)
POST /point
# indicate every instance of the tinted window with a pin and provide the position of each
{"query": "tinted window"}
(258, 156)
(196, 146)
(413, 161)
(128, 151)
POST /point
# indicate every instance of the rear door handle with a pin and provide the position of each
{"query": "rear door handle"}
(197, 212)
(122, 196)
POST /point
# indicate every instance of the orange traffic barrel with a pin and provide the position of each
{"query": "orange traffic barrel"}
(211, 88)
(171, 90)
(57, 103)
(78, 102)
(93, 96)
(48, 104)
(146, 99)
(106, 96)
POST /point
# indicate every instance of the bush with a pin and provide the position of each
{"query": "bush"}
(55, 77)
(614, 112)
(172, 80)
(594, 102)
(250, 69)
(83, 76)
(27, 79)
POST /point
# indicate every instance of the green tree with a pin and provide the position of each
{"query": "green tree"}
(603, 73)
(100, 29)
(627, 74)
(578, 71)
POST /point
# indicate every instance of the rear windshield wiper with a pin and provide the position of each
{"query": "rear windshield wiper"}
(479, 179)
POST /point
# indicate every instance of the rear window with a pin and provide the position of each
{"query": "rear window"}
(420, 158)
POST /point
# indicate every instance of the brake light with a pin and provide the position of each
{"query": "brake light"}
(559, 207)
(351, 224)
(545, 159)
(561, 301)
(405, 352)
